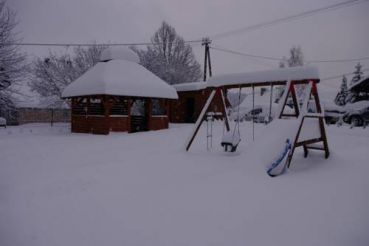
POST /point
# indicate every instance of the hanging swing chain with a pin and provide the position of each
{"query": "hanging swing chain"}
(238, 115)
(271, 101)
(238, 111)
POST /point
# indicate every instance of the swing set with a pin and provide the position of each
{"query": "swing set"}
(310, 128)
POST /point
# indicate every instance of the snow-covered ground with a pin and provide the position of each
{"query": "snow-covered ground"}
(59, 188)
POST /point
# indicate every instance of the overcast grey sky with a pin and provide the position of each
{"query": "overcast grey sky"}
(338, 34)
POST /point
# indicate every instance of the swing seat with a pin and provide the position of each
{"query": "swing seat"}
(230, 141)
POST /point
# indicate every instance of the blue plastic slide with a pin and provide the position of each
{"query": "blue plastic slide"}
(278, 167)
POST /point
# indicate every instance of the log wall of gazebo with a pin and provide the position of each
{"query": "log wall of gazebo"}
(102, 114)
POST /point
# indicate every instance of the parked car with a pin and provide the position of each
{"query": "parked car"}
(332, 114)
(357, 114)
(2, 122)
(260, 114)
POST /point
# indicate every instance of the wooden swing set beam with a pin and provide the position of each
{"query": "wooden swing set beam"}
(266, 84)
(202, 116)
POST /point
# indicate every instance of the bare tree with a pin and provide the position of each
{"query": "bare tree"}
(169, 57)
(52, 74)
(295, 59)
(12, 61)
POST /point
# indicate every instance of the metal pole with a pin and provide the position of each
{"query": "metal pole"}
(206, 42)
(209, 61)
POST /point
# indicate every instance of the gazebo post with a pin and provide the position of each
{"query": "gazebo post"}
(129, 114)
(148, 105)
(88, 106)
(167, 108)
(107, 107)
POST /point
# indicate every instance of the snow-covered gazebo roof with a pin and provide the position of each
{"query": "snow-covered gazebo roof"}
(119, 74)
(261, 77)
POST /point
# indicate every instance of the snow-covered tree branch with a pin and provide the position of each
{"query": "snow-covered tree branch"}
(12, 61)
(169, 57)
(52, 74)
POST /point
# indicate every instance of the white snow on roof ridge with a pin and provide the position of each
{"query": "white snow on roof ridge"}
(358, 83)
(281, 74)
(119, 53)
(191, 86)
(119, 78)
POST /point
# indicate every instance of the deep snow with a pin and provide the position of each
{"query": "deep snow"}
(59, 188)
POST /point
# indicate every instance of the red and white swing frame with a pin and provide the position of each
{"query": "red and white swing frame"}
(299, 113)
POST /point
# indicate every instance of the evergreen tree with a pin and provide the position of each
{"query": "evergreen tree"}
(358, 74)
(342, 95)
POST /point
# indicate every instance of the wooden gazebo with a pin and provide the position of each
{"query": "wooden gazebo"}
(118, 94)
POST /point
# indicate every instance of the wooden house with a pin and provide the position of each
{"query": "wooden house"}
(191, 99)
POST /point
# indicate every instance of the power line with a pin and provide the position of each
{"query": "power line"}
(256, 58)
(288, 18)
(245, 54)
(281, 59)
(340, 60)
(86, 44)
(339, 76)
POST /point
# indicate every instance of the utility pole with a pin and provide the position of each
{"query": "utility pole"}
(207, 61)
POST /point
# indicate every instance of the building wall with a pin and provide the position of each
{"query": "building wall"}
(99, 124)
(120, 124)
(158, 122)
(102, 122)
(178, 108)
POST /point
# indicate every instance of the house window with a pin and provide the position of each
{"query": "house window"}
(158, 107)
(120, 107)
(96, 107)
(80, 108)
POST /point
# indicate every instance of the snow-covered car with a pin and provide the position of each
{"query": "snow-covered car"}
(332, 114)
(260, 114)
(357, 114)
(2, 122)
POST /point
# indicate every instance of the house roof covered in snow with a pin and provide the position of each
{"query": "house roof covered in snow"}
(119, 76)
(262, 77)
(191, 86)
(119, 53)
(361, 86)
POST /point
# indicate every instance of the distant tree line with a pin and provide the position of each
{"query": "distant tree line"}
(169, 57)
